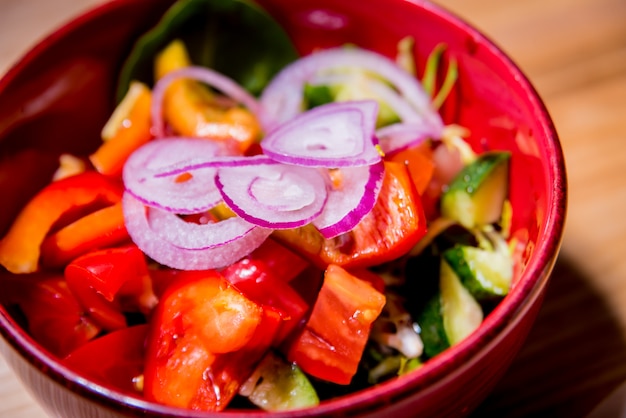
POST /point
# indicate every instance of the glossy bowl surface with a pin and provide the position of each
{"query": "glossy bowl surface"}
(59, 95)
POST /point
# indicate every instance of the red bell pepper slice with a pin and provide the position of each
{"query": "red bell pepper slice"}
(331, 344)
(204, 341)
(115, 360)
(258, 282)
(54, 318)
(20, 247)
(108, 281)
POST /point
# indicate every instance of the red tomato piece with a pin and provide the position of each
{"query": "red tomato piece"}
(389, 230)
(331, 344)
(54, 317)
(103, 279)
(115, 360)
(370, 277)
(258, 282)
(204, 341)
(162, 278)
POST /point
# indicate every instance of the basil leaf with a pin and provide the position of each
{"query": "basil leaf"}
(234, 37)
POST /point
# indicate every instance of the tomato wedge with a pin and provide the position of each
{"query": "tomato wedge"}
(54, 317)
(393, 227)
(331, 344)
(204, 341)
(258, 282)
(106, 282)
(114, 360)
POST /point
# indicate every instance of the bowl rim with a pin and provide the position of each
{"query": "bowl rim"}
(505, 314)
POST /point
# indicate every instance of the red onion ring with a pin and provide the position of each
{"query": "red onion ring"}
(214, 79)
(350, 203)
(273, 195)
(400, 106)
(332, 135)
(141, 222)
(282, 98)
(195, 194)
(189, 166)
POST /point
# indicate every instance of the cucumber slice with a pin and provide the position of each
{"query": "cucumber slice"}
(432, 331)
(476, 195)
(359, 90)
(276, 385)
(486, 274)
(317, 95)
(461, 313)
(350, 85)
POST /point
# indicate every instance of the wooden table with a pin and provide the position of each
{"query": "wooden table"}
(574, 51)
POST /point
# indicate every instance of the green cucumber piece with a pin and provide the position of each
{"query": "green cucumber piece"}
(359, 90)
(461, 313)
(276, 385)
(355, 87)
(317, 95)
(432, 332)
(486, 274)
(476, 195)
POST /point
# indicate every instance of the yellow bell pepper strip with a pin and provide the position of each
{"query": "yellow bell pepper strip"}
(193, 110)
(69, 165)
(127, 130)
(20, 247)
(100, 229)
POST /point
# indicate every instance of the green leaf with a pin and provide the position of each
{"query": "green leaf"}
(234, 37)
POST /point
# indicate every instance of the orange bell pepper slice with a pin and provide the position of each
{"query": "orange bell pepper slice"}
(20, 247)
(127, 130)
(193, 110)
(100, 229)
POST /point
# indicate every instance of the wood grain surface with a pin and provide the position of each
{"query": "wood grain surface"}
(574, 52)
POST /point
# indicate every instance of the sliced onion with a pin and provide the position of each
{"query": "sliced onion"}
(214, 79)
(189, 166)
(373, 87)
(272, 194)
(152, 229)
(332, 135)
(352, 201)
(400, 136)
(282, 98)
(183, 195)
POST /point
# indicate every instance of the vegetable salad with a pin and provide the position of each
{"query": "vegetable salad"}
(264, 234)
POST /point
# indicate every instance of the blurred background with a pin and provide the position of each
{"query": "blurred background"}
(574, 52)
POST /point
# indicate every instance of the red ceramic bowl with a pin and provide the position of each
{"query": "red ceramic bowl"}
(58, 96)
